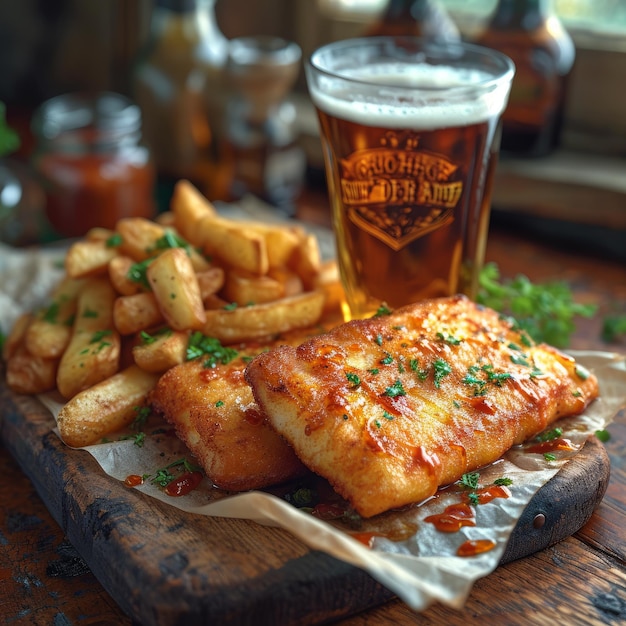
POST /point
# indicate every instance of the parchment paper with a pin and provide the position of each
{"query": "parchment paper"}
(421, 568)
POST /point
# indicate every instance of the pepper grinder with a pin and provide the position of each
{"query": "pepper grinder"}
(262, 148)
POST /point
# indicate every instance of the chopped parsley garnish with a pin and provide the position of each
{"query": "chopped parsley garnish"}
(470, 480)
(603, 435)
(382, 310)
(473, 498)
(201, 345)
(550, 435)
(442, 369)
(374, 371)
(114, 241)
(379, 339)
(89, 313)
(138, 439)
(449, 339)
(387, 415)
(163, 477)
(219, 403)
(521, 359)
(503, 482)
(353, 379)
(50, 314)
(143, 412)
(387, 359)
(395, 390)
(548, 456)
(99, 335)
(582, 372)
(147, 338)
(169, 240)
(137, 273)
(230, 307)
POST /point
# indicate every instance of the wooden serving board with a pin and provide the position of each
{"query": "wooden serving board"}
(164, 566)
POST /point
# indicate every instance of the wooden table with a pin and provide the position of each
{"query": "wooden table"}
(581, 580)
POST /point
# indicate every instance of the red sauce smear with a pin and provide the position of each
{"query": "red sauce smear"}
(475, 546)
(182, 485)
(133, 480)
(550, 446)
(328, 511)
(453, 518)
(487, 494)
(366, 538)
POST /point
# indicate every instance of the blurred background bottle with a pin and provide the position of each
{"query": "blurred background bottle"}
(261, 150)
(177, 82)
(91, 162)
(531, 34)
(421, 18)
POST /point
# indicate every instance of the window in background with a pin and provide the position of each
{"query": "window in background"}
(590, 15)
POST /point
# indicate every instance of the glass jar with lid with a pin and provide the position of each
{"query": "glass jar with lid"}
(91, 162)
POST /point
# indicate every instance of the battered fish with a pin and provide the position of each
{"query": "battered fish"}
(390, 408)
(213, 412)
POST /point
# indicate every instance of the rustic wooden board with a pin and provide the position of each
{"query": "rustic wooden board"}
(164, 566)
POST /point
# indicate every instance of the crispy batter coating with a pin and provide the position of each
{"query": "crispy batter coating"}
(215, 415)
(390, 408)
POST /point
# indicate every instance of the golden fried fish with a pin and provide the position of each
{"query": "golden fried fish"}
(213, 412)
(390, 408)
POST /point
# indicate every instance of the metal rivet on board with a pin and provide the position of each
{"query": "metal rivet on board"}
(539, 521)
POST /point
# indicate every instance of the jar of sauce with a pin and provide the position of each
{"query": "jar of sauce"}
(91, 162)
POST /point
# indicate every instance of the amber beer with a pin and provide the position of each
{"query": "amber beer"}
(409, 148)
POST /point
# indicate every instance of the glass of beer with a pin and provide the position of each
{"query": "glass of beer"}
(410, 136)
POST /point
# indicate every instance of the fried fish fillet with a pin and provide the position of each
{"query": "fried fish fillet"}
(390, 408)
(213, 412)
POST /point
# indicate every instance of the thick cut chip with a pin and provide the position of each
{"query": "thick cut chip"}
(390, 408)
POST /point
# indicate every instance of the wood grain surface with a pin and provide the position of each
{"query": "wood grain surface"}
(44, 580)
(165, 566)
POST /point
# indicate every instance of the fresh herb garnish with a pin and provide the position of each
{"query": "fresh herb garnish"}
(503, 482)
(143, 413)
(114, 241)
(545, 311)
(603, 435)
(442, 369)
(51, 313)
(353, 379)
(201, 345)
(395, 390)
(137, 273)
(470, 480)
(549, 456)
(382, 310)
(550, 435)
(163, 477)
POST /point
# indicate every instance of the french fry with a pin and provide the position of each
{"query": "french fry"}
(99, 234)
(237, 245)
(282, 243)
(119, 268)
(190, 207)
(210, 281)
(105, 407)
(30, 374)
(292, 283)
(306, 261)
(94, 349)
(175, 287)
(166, 219)
(139, 237)
(16, 335)
(134, 313)
(88, 258)
(264, 320)
(162, 351)
(49, 333)
(245, 288)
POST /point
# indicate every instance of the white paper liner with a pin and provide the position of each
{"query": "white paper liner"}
(423, 567)
(420, 569)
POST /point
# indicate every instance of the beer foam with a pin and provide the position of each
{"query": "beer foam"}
(401, 96)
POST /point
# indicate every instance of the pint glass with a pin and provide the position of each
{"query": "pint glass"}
(409, 131)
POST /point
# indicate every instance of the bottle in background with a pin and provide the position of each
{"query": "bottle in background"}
(531, 34)
(261, 148)
(421, 18)
(177, 83)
